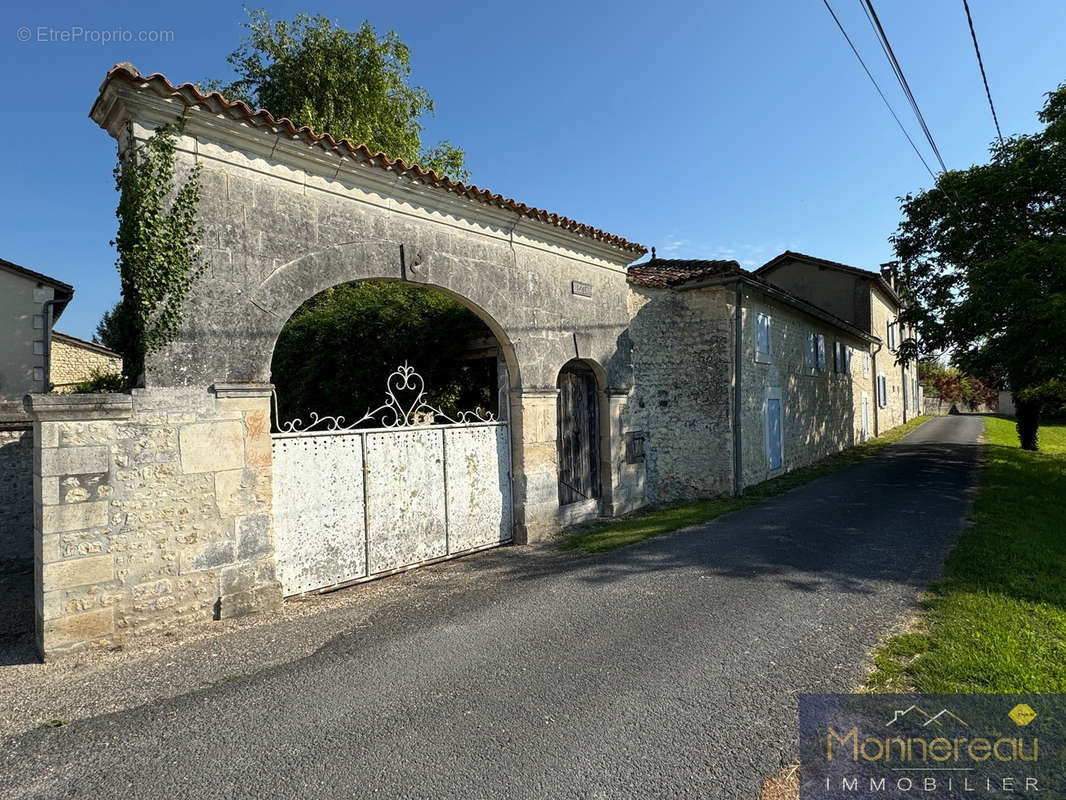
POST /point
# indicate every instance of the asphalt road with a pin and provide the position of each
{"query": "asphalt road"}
(667, 669)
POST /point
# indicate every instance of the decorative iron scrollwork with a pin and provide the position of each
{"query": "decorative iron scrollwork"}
(393, 413)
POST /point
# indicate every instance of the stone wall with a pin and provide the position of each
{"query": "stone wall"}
(898, 408)
(16, 493)
(154, 510)
(73, 361)
(682, 370)
(821, 409)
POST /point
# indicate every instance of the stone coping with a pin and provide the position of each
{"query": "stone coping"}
(79, 406)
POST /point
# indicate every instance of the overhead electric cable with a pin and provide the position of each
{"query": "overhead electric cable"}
(876, 86)
(981, 64)
(871, 15)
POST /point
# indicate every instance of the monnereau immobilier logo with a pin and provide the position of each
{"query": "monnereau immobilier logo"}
(932, 746)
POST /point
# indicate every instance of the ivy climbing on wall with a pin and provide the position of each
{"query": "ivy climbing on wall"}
(157, 243)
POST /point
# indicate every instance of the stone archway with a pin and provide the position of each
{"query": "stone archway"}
(180, 472)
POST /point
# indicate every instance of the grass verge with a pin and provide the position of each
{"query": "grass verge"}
(644, 525)
(996, 621)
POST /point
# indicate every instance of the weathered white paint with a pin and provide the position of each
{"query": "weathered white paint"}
(319, 531)
(350, 506)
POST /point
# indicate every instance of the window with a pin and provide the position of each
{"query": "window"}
(774, 448)
(865, 363)
(838, 360)
(882, 390)
(812, 350)
(891, 335)
(846, 352)
(821, 351)
(634, 447)
(762, 338)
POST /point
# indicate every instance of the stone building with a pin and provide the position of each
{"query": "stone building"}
(30, 303)
(868, 300)
(797, 373)
(620, 386)
(74, 360)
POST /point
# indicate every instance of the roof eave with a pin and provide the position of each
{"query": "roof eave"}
(789, 299)
(158, 101)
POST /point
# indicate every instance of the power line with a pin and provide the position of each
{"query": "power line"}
(984, 77)
(876, 86)
(886, 46)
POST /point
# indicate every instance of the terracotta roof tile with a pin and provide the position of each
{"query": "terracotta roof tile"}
(215, 103)
(659, 273)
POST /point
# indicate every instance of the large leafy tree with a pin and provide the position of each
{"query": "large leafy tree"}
(351, 84)
(983, 254)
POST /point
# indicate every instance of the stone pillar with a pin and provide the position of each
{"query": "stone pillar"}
(249, 584)
(624, 487)
(535, 463)
(151, 510)
(74, 564)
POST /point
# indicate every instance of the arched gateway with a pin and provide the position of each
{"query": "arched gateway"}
(286, 213)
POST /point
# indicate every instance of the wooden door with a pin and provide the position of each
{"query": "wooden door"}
(579, 435)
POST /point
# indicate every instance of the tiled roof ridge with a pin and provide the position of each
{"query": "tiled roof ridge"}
(191, 96)
(664, 272)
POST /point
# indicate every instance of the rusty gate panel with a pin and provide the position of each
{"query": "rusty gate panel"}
(405, 497)
(478, 480)
(319, 533)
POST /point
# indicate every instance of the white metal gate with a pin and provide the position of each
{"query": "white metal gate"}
(355, 503)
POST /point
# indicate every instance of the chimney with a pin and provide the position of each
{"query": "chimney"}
(890, 272)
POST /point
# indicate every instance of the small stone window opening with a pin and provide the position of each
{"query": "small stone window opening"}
(635, 447)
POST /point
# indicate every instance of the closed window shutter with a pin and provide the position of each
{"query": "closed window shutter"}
(762, 334)
(821, 351)
(773, 422)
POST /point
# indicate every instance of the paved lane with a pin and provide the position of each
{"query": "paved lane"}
(667, 669)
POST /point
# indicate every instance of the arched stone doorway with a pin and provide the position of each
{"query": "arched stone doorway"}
(413, 480)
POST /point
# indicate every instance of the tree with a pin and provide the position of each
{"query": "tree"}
(983, 258)
(336, 351)
(352, 85)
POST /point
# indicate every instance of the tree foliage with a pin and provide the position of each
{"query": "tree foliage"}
(335, 353)
(983, 257)
(351, 84)
(157, 243)
(953, 386)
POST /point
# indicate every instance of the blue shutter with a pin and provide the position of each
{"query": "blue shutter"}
(821, 351)
(773, 425)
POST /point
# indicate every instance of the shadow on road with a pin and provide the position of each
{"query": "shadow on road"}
(17, 644)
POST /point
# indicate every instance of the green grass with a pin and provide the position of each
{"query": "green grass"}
(652, 523)
(996, 620)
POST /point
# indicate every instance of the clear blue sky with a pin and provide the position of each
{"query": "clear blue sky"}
(707, 129)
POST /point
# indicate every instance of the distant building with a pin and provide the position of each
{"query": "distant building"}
(30, 303)
(75, 360)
